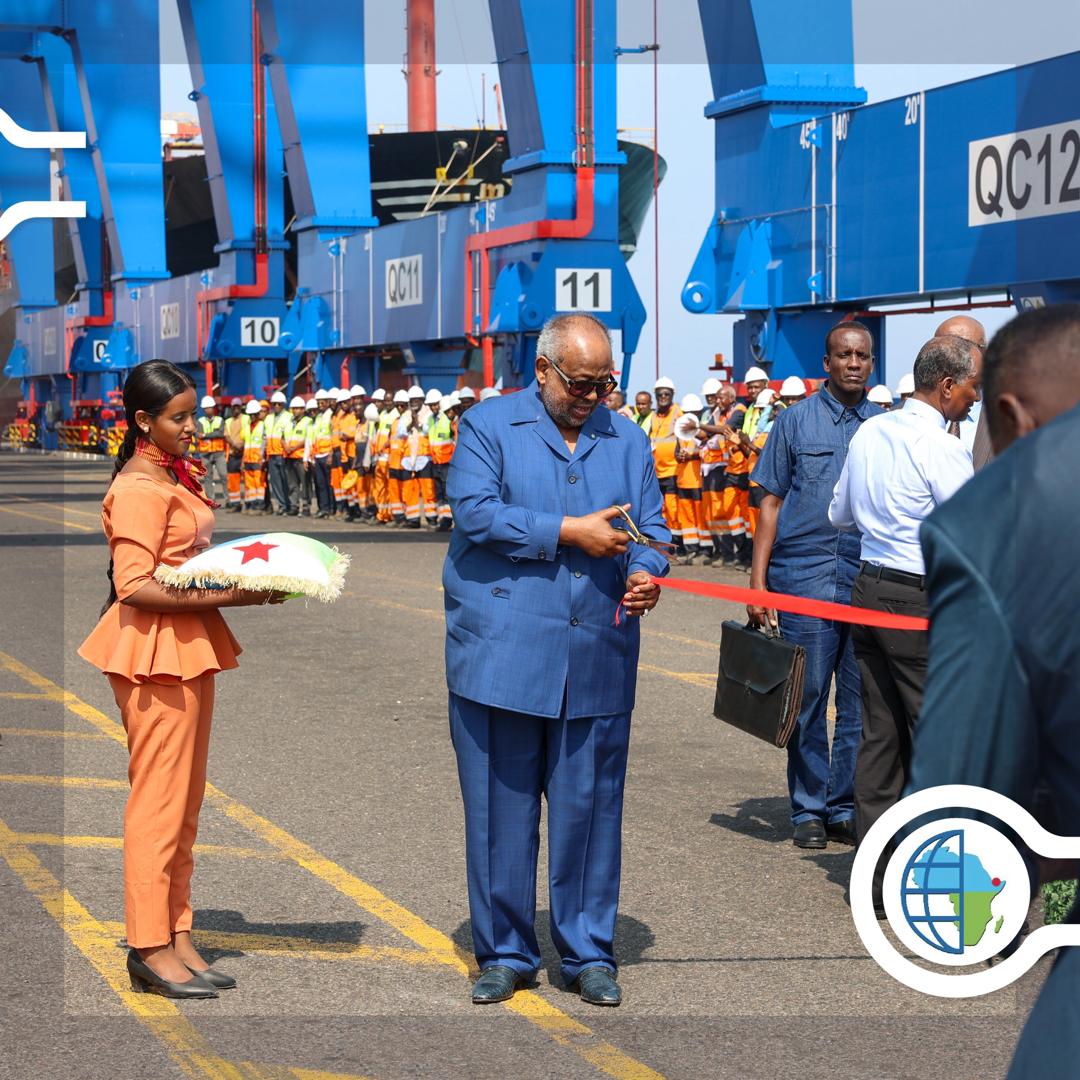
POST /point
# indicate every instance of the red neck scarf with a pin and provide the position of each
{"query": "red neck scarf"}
(186, 470)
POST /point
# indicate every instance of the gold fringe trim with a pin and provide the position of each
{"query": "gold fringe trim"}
(178, 578)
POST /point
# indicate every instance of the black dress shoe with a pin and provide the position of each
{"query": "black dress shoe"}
(810, 834)
(842, 832)
(144, 980)
(217, 979)
(496, 983)
(597, 986)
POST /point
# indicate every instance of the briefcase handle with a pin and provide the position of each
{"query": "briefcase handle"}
(767, 630)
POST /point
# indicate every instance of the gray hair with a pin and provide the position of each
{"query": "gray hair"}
(552, 340)
(943, 358)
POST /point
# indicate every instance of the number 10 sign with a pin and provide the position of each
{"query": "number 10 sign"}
(582, 290)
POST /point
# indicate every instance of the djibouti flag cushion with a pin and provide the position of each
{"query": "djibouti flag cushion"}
(286, 562)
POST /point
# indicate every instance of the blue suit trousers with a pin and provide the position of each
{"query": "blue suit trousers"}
(506, 761)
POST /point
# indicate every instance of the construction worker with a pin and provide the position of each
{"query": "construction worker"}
(309, 496)
(366, 441)
(643, 412)
(210, 444)
(792, 390)
(255, 458)
(380, 475)
(688, 488)
(396, 450)
(347, 424)
(741, 459)
(295, 442)
(768, 408)
(466, 399)
(662, 436)
(336, 472)
(235, 432)
(717, 498)
(442, 437)
(417, 484)
(278, 430)
(881, 395)
(322, 452)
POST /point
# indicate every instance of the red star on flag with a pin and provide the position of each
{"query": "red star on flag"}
(256, 550)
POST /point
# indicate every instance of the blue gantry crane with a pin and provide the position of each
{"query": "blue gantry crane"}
(329, 296)
(960, 196)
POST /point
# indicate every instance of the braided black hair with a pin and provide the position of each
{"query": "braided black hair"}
(148, 388)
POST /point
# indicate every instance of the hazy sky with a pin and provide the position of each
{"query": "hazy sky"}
(895, 54)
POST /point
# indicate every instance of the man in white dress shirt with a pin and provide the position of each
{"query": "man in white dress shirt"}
(899, 467)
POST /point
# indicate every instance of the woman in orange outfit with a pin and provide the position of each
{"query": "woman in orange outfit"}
(160, 649)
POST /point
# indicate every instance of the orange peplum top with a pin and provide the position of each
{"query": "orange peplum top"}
(149, 521)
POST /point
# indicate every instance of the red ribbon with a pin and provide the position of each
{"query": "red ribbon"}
(796, 605)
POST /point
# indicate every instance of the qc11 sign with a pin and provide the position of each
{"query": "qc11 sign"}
(1026, 174)
(405, 281)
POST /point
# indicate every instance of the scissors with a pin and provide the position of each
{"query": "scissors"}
(638, 537)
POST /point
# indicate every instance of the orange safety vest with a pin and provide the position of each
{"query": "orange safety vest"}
(294, 448)
(739, 461)
(278, 428)
(688, 473)
(324, 434)
(211, 435)
(715, 451)
(347, 430)
(663, 442)
(441, 437)
(397, 446)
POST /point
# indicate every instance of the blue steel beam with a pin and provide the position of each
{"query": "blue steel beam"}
(319, 95)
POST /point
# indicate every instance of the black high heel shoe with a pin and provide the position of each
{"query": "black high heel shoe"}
(217, 979)
(144, 980)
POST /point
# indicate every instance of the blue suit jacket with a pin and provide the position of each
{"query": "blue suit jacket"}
(529, 623)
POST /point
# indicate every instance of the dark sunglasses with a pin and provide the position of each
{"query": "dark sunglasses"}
(580, 388)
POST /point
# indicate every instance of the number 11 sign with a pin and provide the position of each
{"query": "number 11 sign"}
(582, 290)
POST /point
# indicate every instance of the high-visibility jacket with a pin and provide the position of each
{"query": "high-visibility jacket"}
(643, 422)
(335, 430)
(323, 433)
(441, 438)
(739, 461)
(688, 473)
(415, 444)
(396, 449)
(347, 428)
(715, 451)
(278, 432)
(298, 437)
(255, 443)
(384, 432)
(662, 434)
(210, 431)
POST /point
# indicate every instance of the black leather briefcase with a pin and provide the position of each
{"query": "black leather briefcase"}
(760, 685)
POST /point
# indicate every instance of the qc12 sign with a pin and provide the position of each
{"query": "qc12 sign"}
(405, 281)
(582, 290)
(1026, 174)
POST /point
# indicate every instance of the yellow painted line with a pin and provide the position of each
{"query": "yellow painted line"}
(46, 733)
(298, 948)
(560, 1027)
(697, 643)
(695, 678)
(96, 515)
(19, 695)
(97, 783)
(110, 843)
(50, 521)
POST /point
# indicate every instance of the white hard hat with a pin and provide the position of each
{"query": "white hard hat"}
(237, 401)
(278, 398)
(906, 385)
(416, 392)
(489, 392)
(401, 397)
(208, 402)
(664, 383)
(454, 398)
(344, 395)
(433, 396)
(466, 393)
(447, 401)
(880, 395)
(296, 403)
(755, 374)
(371, 412)
(764, 398)
(378, 395)
(792, 386)
(710, 386)
(322, 395)
(358, 391)
(253, 408)
(311, 403)
(691, 403)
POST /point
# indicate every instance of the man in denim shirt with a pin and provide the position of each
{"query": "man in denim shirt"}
(797, 551)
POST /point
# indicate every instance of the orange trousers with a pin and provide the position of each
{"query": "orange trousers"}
(363, 490)
(168, 733)
(692, 519)
(735, 509)
(380, 489)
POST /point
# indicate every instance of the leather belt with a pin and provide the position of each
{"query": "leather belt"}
(898, 577)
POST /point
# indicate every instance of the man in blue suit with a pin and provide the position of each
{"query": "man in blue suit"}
(543, 598)
(1002, 702)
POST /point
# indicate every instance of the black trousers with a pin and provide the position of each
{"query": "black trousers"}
(892, 667)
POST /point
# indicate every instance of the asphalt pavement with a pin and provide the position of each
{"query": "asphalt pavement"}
(330, 873)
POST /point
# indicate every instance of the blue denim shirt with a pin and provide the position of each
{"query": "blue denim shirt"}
(801, 463)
